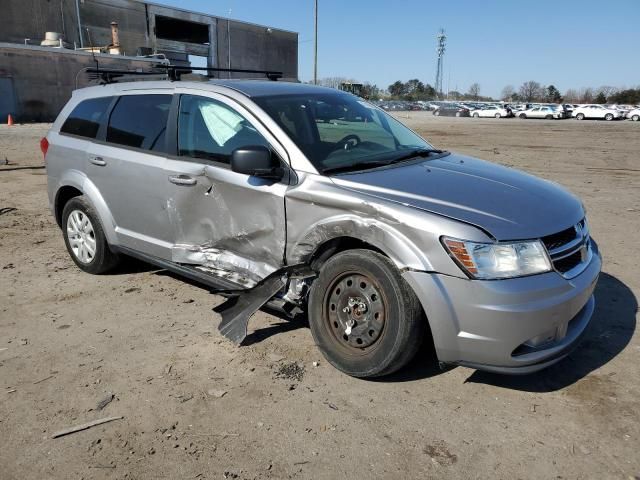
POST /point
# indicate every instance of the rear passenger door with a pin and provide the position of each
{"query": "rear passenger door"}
(226, 223)
(127, 166)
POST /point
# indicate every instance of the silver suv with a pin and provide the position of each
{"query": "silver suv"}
(313, 199)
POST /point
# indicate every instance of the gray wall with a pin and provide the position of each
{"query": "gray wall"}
(252, 46)
(43, 81)
(44, 78)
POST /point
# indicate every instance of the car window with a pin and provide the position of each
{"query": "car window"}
(85, 119)
(140, 121)
(211, 130)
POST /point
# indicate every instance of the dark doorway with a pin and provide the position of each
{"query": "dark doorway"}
(168, 28)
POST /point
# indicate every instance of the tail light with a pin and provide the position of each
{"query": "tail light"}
(44, 146)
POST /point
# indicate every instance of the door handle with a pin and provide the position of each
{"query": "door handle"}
(97, 161)
(182, 180)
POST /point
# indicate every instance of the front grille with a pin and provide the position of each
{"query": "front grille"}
(559, 239)
(569, 249)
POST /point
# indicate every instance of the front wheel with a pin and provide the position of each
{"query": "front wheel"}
(580, 116)
(458, 114)
(635, 118)
(608, 117)
(364, 317)
(476, 115)
(522, 115)
(497, 115)
(84, 237)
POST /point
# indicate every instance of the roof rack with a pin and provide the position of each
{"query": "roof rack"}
(173, 72)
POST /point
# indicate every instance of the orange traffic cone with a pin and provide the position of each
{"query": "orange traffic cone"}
(9, 120)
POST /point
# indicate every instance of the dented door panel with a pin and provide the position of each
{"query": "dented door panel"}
(225, 223)
(228, 223)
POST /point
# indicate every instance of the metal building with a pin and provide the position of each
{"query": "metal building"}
(38, 71)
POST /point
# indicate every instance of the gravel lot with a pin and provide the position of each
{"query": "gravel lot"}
(195, 406)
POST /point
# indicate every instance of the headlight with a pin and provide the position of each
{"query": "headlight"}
(491, 261)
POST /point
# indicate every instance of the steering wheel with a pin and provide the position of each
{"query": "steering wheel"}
(348, 142)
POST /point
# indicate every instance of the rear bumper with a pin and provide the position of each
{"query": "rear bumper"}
(514, 326)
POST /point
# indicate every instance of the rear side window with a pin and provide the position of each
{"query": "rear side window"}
(140, 121)
(85, 119)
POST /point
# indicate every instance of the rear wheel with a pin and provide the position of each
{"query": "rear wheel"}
(458, 114)
(635, 118)
(437, 113)
(84, 237)
(608, 117)
(364, 317)
(476, 115)
(580, 116)
(549, 117)
(522, 115)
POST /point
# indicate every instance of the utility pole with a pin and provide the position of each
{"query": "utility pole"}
(442, 41)
(315, 45)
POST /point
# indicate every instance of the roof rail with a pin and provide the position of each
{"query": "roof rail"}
(172, 72)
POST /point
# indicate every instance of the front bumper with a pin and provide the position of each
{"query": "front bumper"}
(515, 326)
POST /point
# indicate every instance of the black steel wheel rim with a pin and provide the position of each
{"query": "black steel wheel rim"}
(355, 310)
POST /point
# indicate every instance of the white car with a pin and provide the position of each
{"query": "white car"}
(596, 111)
(491, 111)
(634, 114)
(549, 113)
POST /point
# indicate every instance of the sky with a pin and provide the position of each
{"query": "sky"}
(567, 43)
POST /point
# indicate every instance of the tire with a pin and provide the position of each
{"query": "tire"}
(608, 117)
(458, 114)
(92, 236)
(580, 116)
(522, 115)
(635, 118)
(549, 117)
(437, 113)
(476, 115)
(392, 324)
(497, 115)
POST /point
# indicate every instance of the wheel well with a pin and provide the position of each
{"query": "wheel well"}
(337, 245)
(62, 197)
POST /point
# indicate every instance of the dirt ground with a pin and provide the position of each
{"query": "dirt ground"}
(196, 406)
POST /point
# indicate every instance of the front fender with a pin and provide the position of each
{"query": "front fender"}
(318, 211)
(370, 230)
(79, 181)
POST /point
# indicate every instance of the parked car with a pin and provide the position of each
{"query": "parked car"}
(634, 114)
(596, 111)
(310, 198)
(451, 110)
(546, 112)
(491, 111)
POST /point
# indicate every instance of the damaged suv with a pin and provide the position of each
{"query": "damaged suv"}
(312, 199)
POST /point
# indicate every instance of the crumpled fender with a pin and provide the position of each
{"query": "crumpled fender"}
(382, 236)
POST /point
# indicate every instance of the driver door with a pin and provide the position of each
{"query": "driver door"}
(226, 223)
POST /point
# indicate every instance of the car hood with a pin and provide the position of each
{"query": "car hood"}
(507, 203)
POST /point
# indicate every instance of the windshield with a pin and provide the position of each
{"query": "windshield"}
(337, 131)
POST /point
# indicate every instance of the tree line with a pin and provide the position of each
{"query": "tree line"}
(529, 92)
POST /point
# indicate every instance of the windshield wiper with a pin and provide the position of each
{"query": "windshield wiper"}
(410, 154)
(353, 167)
(417, 152)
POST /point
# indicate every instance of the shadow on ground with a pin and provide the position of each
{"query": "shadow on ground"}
(612, 327)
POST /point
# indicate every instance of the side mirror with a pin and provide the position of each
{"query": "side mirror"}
(257, 161)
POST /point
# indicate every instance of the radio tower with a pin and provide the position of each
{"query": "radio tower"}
(442, 41)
